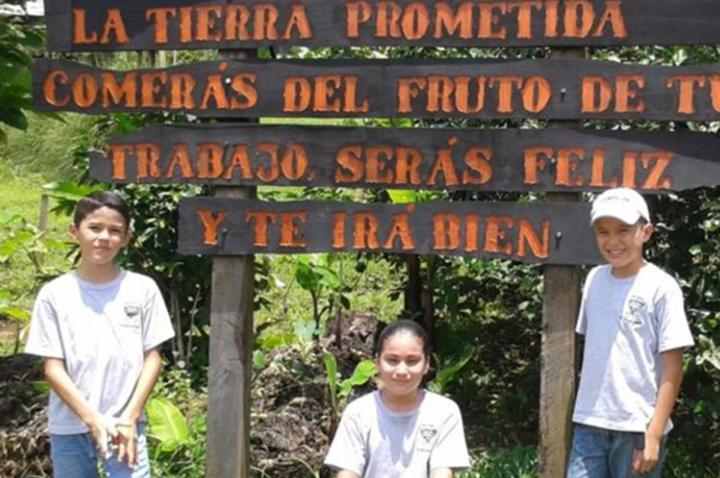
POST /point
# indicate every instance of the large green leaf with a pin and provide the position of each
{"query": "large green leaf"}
(166, 423)
(331, 371)
(363, 372)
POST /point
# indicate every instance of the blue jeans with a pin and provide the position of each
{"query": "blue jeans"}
(75, 456)
(601, 453)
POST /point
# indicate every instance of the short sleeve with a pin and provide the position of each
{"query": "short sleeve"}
(450, 450)
(157, 327)
(673, 329)
(347, 451)
(581, 326)
(44, 338)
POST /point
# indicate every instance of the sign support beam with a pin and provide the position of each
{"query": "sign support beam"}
(231, 343)
(561, 301)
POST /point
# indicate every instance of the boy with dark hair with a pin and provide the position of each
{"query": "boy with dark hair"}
(635, 330)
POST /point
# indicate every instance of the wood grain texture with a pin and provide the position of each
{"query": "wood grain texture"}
(86, 25)
(544, 89)
(559, 160)
(533, 232)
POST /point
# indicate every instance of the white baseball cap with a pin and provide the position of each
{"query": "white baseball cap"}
(624, 204)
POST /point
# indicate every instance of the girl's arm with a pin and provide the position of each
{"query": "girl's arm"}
(645, 460)
(126, 425)
(441, 473)
(346, 474)
(61, 383)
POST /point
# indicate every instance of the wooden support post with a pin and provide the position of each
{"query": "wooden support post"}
(558, 369)
(231, 342)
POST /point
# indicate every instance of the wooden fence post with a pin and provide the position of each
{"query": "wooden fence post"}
(231, 342)
(558, 362)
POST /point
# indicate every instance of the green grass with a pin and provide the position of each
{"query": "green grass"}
(46, 149)
(27, 162)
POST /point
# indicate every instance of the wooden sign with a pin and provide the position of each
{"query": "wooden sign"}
(551, 89)
(106, 25)
(467, 159)
(534, 232)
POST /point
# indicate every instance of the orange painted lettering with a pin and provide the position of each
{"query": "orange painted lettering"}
(118, 156)
(50, 88)
(496, 234)
(400, 229)
(180, 159)
(350, 167)
(261, 221)
(210, 222)
(529, 237)
(148, 157)
(290, 233)
(596, 94)
(272, 172)
(446, 231)
(480, 170)
(535, 160)
(112, 93)
(365, 231)
(159, 17)
(686, 92)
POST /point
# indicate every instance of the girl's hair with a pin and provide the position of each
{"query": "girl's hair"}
(99, 199)
(398, 327)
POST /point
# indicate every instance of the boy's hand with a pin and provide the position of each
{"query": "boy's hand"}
(127, 441)
(102, 431)
(645, 460)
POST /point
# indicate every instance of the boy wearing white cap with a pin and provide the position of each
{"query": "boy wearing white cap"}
(635, 329)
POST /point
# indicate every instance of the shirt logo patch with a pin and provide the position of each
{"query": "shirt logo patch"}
(131, 309)
(132, 314)
(636, 309)
(428, 432)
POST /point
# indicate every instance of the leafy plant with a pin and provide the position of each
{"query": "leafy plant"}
(166, 423)
(315, 274)
(17, 41)
(21, 238)
(520, 462)
(340, 391)
(448, 368)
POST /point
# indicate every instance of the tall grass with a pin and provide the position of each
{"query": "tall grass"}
(46, 149)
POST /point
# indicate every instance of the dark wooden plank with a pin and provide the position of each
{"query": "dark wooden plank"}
(561, 296)
(557, 234)
(549, 89)
(230, 366)
(93, 25)
(231, 350)
(418, 158)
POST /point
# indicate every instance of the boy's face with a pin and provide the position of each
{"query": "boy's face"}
(101, 235)
(622, 244)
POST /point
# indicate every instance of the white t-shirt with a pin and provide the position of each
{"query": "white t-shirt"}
(101, 331)
(373, 441)
(627, 323)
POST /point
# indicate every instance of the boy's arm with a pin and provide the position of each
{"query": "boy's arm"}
(61, 383)
(645, 460)
(441, 473)
(126, 425)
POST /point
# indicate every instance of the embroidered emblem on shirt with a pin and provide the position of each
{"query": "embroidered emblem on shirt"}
(428, 432)
(636, 308)
(131, 309)
(132, 315)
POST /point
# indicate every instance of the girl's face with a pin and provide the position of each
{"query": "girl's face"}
(100, 235)
(401, 364)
